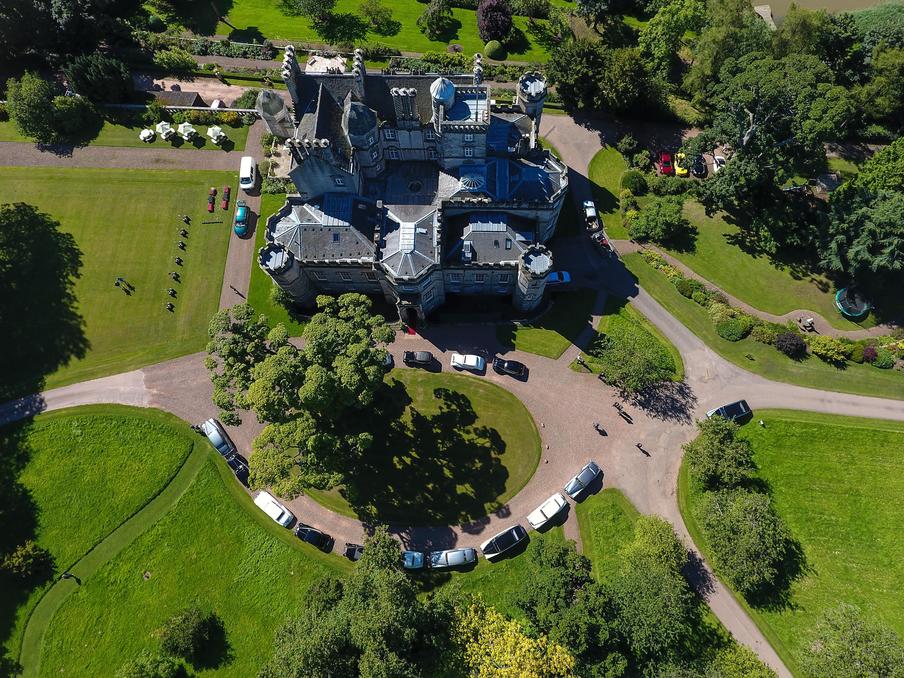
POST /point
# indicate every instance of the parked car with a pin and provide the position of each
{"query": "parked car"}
(240, 227)
(546, 511)
(239, 467)
(417, 358)
(211, 199)
(314, 537)
(267, 503)
(388, 361)
(665, 163)
(591, 217)
(734, 411)
(353, 551)
(413, 560)
(681, 169)
(224, 203)
(510, 367)
(216, 434)
(451, 558)
(698, 167)
(502, 542)
(718, 163)
(468, 361)
(602, 242)
(558, 278)
(576, 486)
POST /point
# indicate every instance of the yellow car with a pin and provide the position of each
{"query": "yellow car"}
(681, 166)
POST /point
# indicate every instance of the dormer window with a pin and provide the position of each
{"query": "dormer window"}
(469, 137)
(394, 154)
(339, 181)
(374, 154)
(429, 134)
(389, 133)
(370, 140)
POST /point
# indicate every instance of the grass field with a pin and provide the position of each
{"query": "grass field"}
(832, 480)
(262, 18)
(126, 134)
(126, 223)
(765, 360)
(261, 285)
(605, 172)
(451, 449)
(623, 316)
(554, 331)
(606, 521)
(753, 278)
(85, 471)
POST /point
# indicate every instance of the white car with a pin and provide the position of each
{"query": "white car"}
(558, 278)
(718, 163)
(267, 503)
(548, 510)
(468, 361)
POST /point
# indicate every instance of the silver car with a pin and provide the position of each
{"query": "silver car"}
(218, 438)
(576, 486)
(452, 558)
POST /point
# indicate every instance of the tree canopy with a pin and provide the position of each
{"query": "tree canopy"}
(717, 458)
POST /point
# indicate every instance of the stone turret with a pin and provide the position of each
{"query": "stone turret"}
(290, 74)
(534, 266)
(274, 112)
(281, 265)
(530, 97)
(478, 68)
(442, 94)
(358, 71)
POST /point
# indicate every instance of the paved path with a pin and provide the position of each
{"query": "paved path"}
(27, 154)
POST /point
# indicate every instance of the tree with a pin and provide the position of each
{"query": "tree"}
(624, 84)
(28, 560)
(882, 98)
(316, 10)
(883, 171)
(186, 634)
(45, 330)
(717, 458)
(660, 38)
(748, 540)
(654, 542)
(631, 358)
(661, 221)
(495, 647)
(845, 643)
(150, 665)
(29, 102)
(378, 15)
(791, 344)
(738, 661)
(832, 38)
(594, 11)
(74, 118)
(494, 20)
(99, 78)
(436, 19)
(174, 60)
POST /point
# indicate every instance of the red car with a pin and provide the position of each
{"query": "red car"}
(665, 163)
(225, 202)
(211, 199)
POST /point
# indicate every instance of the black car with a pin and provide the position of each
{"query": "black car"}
(737, 411)
(417, 358)
(511, 367)
(239, 467)
(502, 542)
(314, 537)
(698, 166)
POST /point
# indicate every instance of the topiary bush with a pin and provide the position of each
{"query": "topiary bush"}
(857, 353)
(791, 344)
(700, 298)
(494, 50)
(885, 359)
(634, 181)
(734, 329)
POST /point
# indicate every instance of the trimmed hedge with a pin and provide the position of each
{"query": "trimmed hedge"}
(635, 181)
(494, 50)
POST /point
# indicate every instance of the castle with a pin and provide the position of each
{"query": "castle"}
(413, 187)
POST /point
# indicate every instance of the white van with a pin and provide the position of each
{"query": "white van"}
(247, 173)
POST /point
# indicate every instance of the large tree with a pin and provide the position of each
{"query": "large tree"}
(30, 104)
(100, 78)
(494, 20)
(717, 458)
(661, 37)
(846, 643)
(833, 38)
(882, 98)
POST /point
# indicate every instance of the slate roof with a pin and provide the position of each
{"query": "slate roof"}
(410, 246)
(336, 226)
(495, 237)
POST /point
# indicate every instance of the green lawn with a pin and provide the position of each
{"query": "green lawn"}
(557, 329)
(86, 470)
(764, 284)
(765, 360)
(126, 223)
(262, 285)
(605, 172)
(265, 18)
(621, 316)
(126, 134)
(214, 548)
(447, 449)
(606, 521)
(834, 481)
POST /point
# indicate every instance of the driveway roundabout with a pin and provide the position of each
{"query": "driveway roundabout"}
(448, 449)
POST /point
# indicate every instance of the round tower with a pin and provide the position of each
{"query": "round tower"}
(530, 97)
(284, 269)
(534, 266)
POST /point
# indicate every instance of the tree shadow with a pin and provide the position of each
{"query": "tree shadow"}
(668, 401)
(444, 468)
(341, 28)
(44, 330)
(247, 34)
(217, 651)
(387, 28)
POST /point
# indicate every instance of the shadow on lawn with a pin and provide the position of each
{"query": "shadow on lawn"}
(442, 467)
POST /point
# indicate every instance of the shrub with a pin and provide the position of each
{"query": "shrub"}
(74, 117)
(185, 634)
(627, 145)
(150, 665)
(29, 105)
(28, 560)
(4, 114)
(99, 78)
(791, 344)
(494, 50)
(642, 160)
(154, 113)
(828, 349)
(626, 201)
(687, 287)
(274, 185)
(174, 59)
(247, 100)
(634, 181)
(700, 298)
(765, 333)
(494, 20)
(870, 353)
(885, 359)
(534, 9)
(857, 354)
(661, 221)
(377, 51)
(156, 24)
(663, 185)
(735, 329)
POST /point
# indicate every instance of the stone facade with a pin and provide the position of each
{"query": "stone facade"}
(414, 187)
